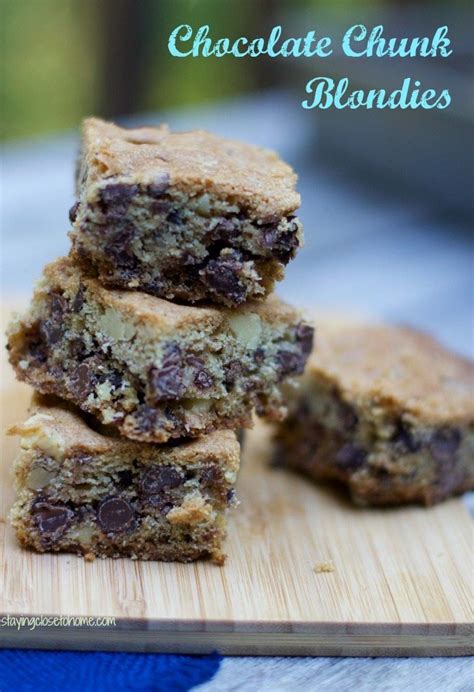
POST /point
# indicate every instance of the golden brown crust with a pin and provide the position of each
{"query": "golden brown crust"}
(61, 430)
(394, 367)
(195, 160)
(158, 313)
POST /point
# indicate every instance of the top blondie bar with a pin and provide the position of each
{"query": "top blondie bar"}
(184, 216)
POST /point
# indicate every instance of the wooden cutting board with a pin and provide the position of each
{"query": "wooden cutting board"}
(401, 584)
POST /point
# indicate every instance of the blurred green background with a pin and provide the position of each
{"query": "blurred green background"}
(63, 59)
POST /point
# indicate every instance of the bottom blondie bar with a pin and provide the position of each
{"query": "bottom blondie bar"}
(82, 490)
(387, 411)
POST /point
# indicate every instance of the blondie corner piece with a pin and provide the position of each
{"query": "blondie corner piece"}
(184, 216)
(153, 369)
(386, 410)
(84, 492)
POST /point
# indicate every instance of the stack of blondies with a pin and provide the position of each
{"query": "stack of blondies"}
(153, 342)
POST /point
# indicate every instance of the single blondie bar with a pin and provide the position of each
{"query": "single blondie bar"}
(83, 491)
(153, 369)
(184, 216)
(386, 410)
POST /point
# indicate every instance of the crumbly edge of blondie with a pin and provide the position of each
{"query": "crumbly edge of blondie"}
(385, 455)
(177, 245)
(131, 499)
(122, 368)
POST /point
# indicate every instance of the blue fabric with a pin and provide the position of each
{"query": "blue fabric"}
(68, 671)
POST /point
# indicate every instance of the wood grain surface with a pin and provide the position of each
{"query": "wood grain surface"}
(401, 584)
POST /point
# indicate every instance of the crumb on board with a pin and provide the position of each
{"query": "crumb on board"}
(327, 566)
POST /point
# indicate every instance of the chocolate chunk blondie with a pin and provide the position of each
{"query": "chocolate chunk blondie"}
(83, 491)
(184, 216)
(153, 369)
(386, 410)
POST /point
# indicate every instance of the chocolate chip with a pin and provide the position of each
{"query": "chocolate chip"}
(51, 520)
(114, 514)
(222, 235)
(305, 337)
(232, 371)
(116, 199)
(125, 478)
(222, 276)
(77, 349)
(166, 382)
(290, 363)
(119, 247)
(282, 244)
(259, 355)
(403, 439)
(444, 444)
(146, 418)
(78, 301)
(73, 212)
(51, 331)
(347, 416)
(231, 497)
(159, 186)
(160, 478)
(194, 361)
(203, 379)
(211, 475)
(350, 456)
(161, 206)
(115, 379)
(82, 380)
(175, 217)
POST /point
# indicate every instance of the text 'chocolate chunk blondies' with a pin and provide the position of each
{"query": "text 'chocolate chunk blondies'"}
(82, 491)
(187, 216)
(153, 369)
(386, 410)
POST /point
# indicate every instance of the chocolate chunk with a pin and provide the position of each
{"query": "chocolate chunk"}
(119, 248)
(114, 514)
(290, 363)
(166, 382)
(259, 356)
(347, 416)
(175, 217)
(116, 199)
(222, 276)
(77, 349)
(444, 444)
(282, 244)
(115, 379)
(73, 212)
(194, 361)
(159, 186)
(78, 301)
(83, 380)
(305, 337)
(233, 370)
(203, 379)
(160, 478)
(350, 456)
(146, 418)
(161, 206)
(36, 346)
(51, 331)
(125, 478)
(223, 235)
(403, 439)
(51, 520)
(211, 475)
